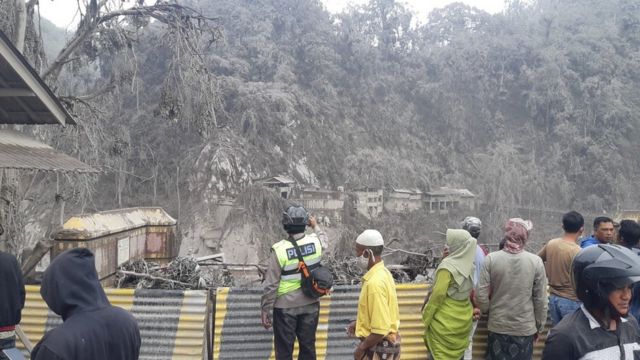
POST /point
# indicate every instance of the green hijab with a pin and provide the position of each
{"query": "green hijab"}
(460, 262)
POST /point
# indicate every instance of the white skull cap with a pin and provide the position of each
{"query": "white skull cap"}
(370, 237)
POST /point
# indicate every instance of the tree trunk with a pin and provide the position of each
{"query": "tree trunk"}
(21, 25)
(44, 245)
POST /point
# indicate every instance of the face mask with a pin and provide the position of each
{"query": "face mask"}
(363, 262)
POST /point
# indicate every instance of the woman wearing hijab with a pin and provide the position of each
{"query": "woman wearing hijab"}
(513, 290)
(448, 313)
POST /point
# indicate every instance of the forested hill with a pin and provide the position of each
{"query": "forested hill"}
(535, 108)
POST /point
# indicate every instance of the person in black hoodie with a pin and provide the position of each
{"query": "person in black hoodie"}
(92, 328)
(12, 296)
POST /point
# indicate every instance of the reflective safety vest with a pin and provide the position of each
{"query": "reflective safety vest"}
(290, 277)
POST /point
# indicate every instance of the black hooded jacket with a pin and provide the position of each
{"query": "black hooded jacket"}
(92, 328)
(11, 290)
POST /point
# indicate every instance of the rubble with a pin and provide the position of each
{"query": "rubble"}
(198, 273)
(183, 273)
(414, 268)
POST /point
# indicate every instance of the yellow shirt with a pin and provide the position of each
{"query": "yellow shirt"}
(378, 303)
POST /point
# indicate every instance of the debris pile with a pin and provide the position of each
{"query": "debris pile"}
(183, 273)
(346, 270)
(413, 268)
(418, 265)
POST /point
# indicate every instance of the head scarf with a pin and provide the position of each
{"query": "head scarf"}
(460, 262)
(516, 234)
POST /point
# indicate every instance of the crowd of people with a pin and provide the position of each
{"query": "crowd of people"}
(588, 287)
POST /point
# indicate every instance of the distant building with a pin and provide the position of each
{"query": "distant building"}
(403, 200)
(326, 205)
(369, 202)
(282, 184)
(444, 199)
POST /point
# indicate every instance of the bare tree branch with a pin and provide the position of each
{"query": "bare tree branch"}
(174, 15)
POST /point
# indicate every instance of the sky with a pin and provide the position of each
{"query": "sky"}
(63, 13)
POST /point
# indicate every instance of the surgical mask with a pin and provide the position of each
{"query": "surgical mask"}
(363, 262)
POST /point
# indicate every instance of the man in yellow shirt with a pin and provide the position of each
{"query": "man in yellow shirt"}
(378, 314)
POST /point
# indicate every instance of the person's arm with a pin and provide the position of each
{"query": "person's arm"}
(438, 295)
(368, 342)
(271, 284)
(20, 283)
(42, 352)
(484, 286)
(558, 346)
(543, 253)
(540, 299)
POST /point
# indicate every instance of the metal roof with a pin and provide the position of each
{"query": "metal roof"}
(173, 323)
(407, 191)
(450, 191)
(91, 226)
(24, 97)
(19, 151)
(276, 180)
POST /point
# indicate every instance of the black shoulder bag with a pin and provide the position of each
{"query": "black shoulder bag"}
(317, 280)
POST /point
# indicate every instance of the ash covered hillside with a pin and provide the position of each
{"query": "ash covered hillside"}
(533, 110)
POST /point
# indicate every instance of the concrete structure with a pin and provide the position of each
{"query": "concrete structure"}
(369, 202)
(282, 184)
(444, 199)
(403, 200)
(325, 205)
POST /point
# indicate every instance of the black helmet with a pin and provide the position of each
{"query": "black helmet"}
(600, 269)
(295, 219)
(473, 225)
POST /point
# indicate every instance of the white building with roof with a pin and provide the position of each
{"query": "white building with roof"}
(369, 202)
(403, 200)
(444, 199)
(282, 184)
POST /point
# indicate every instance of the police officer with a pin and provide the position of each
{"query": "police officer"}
(600, 328)
(295, 315)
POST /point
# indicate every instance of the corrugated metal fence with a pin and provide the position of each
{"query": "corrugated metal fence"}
(238, 333)
(178, 324)
(173, 324)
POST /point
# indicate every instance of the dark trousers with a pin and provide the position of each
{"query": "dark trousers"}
(289, 324)
(508, 347)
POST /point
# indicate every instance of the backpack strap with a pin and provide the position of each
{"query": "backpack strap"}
(302, 267)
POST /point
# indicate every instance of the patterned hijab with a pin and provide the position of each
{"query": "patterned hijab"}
(516, 234)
